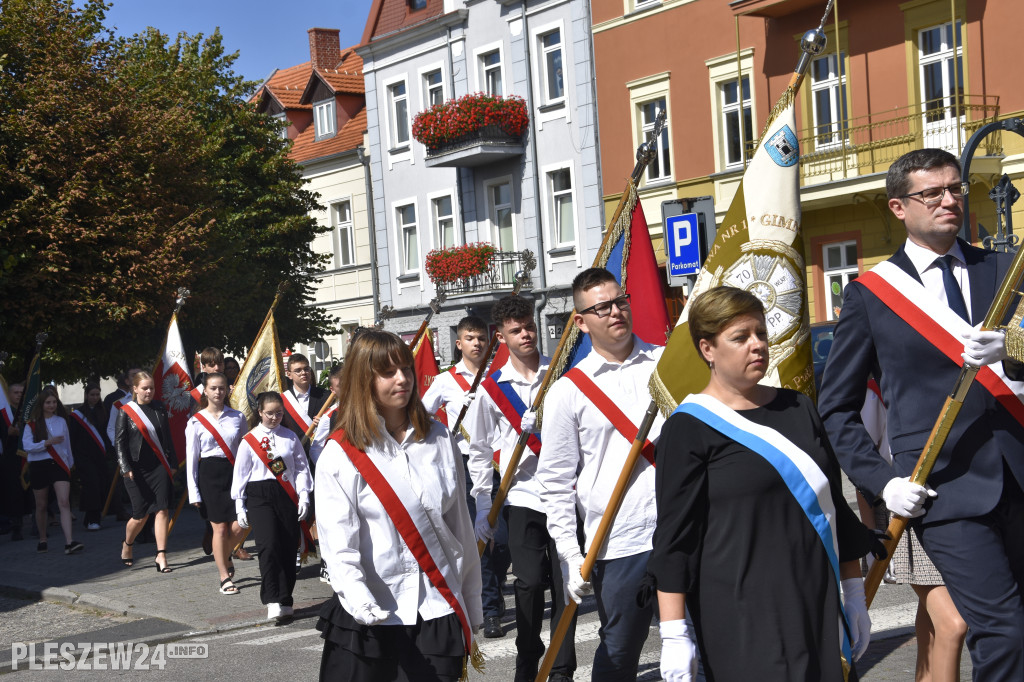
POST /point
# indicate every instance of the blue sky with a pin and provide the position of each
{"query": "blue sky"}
(268, 34)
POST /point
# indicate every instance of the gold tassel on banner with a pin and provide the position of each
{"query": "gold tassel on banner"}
(476, 658)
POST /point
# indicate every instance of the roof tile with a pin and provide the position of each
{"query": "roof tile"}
(307, 148)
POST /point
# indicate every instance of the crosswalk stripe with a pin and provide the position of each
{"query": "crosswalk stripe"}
(282, 637)
(227, 635)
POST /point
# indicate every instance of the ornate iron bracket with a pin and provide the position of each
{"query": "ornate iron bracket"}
(1004, 194)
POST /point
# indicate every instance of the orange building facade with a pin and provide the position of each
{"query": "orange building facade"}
(900, 76)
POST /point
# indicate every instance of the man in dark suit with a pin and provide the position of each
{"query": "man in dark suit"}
(304, 399)
(909, 322)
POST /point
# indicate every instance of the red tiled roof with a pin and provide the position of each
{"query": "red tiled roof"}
(307, 148)
(388, 16)
(345, 79)
(286, 86)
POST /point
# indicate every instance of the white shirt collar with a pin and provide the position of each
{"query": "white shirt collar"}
(510, 373)
(595, 363)
(923, 258)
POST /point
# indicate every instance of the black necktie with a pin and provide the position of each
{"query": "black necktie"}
(954, 296)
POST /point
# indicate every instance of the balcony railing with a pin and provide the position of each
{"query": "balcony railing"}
(869, 144)
(485, 145)
(499, 276)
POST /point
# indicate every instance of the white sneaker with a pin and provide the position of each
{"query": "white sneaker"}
(273, 611)
(93, 526)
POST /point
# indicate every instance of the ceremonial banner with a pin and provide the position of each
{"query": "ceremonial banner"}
(629, 255)
(425, 362)
(261, 371)
(758, 248)
(174, 387)
(33, 385)
(6, 411)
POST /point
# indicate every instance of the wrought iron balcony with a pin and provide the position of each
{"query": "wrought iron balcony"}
(500, 276)
(485, 145)
(869, 144)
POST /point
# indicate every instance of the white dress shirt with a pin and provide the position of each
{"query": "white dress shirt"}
(323, 430)
(368, 561)
(249, 466)
(489, 430)
(931, 275)
(200, 443)
(112, 419)
(583, 454)
(445, 390)
(55, 426)
(302, 399)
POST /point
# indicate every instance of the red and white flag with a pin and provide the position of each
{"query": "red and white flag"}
(6, 413)
(173, 386)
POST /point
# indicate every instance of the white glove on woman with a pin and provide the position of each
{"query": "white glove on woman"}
(906, 499)
(574, 586)
(370, 614)
(529, 422)
(678, 651)
(240, 514)
(856, 607)
(303, 507)
(482, 527)
(984, 347)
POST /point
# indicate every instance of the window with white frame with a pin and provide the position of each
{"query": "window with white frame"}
(499, 200)
(398, 101)
(433, 85)
(660, 168)
(323, 119)
(735, 106)
(405, 218)
(939, 83)
(551, 66)
(344, 246)
(282, 119)
(490, 68)
(828, 90)
(563, 216)
(444, 221)
(840, 268)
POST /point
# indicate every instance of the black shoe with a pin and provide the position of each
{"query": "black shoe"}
(560, 677)
(41, 547)
(75, 546)
(492, 627)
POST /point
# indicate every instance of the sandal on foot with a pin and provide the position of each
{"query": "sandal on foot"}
(228, 587)
(127, 561)
(159, 568)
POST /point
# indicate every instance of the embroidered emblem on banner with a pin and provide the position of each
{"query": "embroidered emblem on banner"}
(783, 147)
(256, 376)
(177, 397)
(774, 280)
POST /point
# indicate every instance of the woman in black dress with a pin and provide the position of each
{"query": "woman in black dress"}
(145, 454)
(754, 535)
(87, 424)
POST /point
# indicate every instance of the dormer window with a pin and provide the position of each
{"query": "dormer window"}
(323, 119)
(281, 118)
(417, 4)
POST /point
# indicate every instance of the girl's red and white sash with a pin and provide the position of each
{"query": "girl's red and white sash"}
(296, 411)
(410, 518)
(939, 326)
(54, 455)
(87, 425)
(148, 431)
(262, 451)
(214, 429)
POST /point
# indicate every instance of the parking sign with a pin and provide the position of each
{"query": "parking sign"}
(683, 244)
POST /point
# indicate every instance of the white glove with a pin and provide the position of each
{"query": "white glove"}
(468, 398)
(573, 584)
(856, 607)
(303, 507)
(482, 527)
(243, 520)
(529, 422)
(678, 651)
(984, 347)
(370, 614)
(906, 499)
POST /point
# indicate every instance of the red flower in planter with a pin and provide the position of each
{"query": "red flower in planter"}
(454, 119)
(449, 265)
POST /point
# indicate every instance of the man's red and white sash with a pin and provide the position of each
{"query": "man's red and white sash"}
(940, 326)
(197, 393)
(406, 512)
(148, 431)
(296, 412)
(87, 425)
(262, 450)
(214, 428)
(626, 428)
(54, 455)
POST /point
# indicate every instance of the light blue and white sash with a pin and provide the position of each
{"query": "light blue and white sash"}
(805, 480)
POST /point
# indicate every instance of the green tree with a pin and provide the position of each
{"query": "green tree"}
(130, 167)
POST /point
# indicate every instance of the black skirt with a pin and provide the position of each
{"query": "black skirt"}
(45, 472)
(429, 650)
(215, 488)
(150, 492)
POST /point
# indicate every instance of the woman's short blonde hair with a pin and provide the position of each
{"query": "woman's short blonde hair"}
(713, 310)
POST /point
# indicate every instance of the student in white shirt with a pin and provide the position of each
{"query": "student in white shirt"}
(46, 441)
(262, 497)
(580, 462)
(389, 620)
(210, 471)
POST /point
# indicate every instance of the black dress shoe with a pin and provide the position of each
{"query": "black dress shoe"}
(492, 627)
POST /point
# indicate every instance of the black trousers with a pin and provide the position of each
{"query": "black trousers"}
(536, 562)
(275, 523)
(92, 473)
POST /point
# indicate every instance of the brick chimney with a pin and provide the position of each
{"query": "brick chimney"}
(324, 47)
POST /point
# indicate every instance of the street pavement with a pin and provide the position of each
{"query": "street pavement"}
(90, 597)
